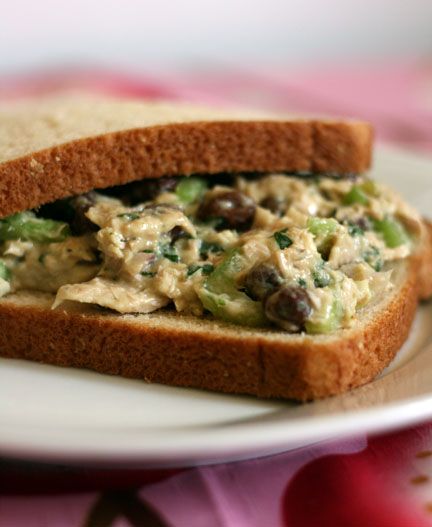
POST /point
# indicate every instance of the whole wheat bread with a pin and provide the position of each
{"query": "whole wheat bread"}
(55, 148)
(60, 148)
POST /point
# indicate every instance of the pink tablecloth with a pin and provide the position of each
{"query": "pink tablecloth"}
(376, 481)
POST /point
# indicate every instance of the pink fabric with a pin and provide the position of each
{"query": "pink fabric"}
(380, 481)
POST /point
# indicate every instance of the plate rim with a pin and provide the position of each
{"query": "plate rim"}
(217, 448)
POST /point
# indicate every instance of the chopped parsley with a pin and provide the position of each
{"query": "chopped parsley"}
(355, 230)
(171, 256)
(169, 252)
(147, 273)
(209, 247)
(373, 257)
(206, 269)
(282, 239)
(302, 282)
(321, 278)
(5, 273)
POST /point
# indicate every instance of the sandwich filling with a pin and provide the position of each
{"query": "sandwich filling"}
(302, 253)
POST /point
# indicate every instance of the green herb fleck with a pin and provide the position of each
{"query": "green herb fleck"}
(373, 257)
(5, 273)
(206, 269)
(170, 253)
(208, 247)
(302, 282)
(321, 277)
(282, 239)
(147, 273)
(170, 256)
(193, 269)
(355, 230)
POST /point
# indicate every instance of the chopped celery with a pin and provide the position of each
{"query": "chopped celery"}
(190, 189)
(356, 195)
(323, 229)
(322, 226)
(330, 320)
(5, 273)
(221, 297)
(370, 187)
(26, 226)
(392, 230)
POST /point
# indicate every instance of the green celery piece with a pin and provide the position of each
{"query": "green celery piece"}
(26, 226)
(322, 226)
(4, 272)
(370, 187)
(323, 229)
(331, 321)
(356, 195)
(221, 297)
(190, 189)
(392, 230)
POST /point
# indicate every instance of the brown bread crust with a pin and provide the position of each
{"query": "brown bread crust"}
(182, 149)
(424, 265)
(203, 353)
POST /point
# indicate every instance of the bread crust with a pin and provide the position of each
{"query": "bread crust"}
(178, 148)
(203, 353)
(424, 264)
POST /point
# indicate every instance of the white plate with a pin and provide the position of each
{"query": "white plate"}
(67, 415)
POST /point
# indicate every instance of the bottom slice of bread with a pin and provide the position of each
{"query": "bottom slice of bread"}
(169, 348)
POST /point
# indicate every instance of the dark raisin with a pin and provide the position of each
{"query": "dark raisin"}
(262, 280)
(80, 224)
(289, 307)
(363, 223)
(274, 204)
(176, 233)
(232, 209)
(144, 190)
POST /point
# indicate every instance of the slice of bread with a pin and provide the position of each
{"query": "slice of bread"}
(54, 149)
(58, 147)
(170, 348)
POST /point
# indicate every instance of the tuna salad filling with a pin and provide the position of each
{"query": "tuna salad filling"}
(299, 252)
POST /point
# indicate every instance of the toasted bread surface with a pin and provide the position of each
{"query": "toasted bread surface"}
(175, 349)
(60, 147)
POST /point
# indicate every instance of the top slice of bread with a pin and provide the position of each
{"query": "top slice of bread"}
(58, 147)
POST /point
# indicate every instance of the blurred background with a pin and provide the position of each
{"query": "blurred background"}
(365, 58)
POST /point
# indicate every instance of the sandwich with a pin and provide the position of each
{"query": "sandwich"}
(229, 251)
